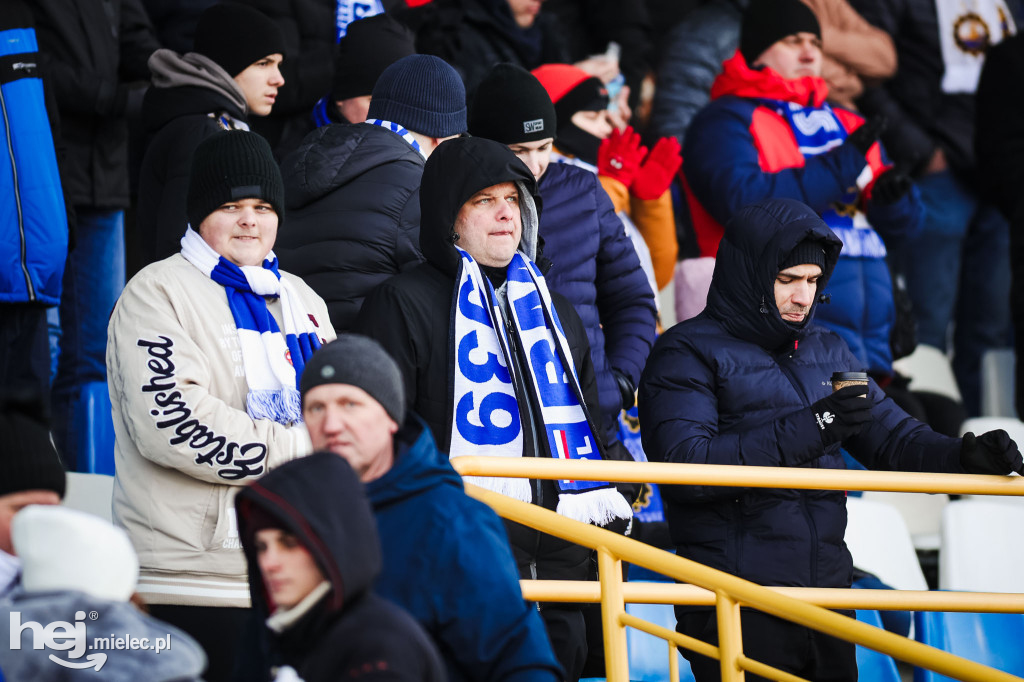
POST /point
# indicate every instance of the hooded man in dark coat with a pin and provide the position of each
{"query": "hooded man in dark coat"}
(311, 544)
(748, 382)
(494, 362)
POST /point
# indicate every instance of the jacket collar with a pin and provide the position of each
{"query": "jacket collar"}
(740, 80)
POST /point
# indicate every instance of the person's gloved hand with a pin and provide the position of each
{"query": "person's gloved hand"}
(993, 452)
(626, 389)
(890, 187)
(862, 138)
(657, 170)
(620, 155)
(843, 414)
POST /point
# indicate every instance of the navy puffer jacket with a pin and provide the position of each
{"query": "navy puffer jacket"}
(594, 265)
(353, 198)
(732, 386)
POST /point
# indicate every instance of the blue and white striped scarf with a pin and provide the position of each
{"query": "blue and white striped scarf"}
(273, 362)
(818, 130)
(488, 397)
(397, 130)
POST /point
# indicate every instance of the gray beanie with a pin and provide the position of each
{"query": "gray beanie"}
(422, 93)
(361, 362)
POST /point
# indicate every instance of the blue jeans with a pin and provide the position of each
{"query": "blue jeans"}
(93, 280)
(958, 277)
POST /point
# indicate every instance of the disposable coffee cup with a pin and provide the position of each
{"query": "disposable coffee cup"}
(844, 379)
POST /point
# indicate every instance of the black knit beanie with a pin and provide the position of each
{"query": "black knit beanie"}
(236, 36)
(766, 22)
(362, 362)
(370, 46)
(229, 166)
(511, 106)
(422, 93)
(28, 460)
(807, 252)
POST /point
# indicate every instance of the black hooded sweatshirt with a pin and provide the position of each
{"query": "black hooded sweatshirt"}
(350, 632)
(411, 316)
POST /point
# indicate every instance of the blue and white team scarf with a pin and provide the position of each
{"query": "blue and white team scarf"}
(348, 11)
(272, 361)
(398, 130)
(488, 398)
(818, 130)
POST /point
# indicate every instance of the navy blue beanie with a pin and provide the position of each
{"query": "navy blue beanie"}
(422, 93)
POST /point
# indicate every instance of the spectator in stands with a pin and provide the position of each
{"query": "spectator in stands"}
(311, 543)
(474, 35)
(446, 558)
(535, 393)
(999, 145)
(175, 21)
(353, 191)
(768, 133)
(636, 181)
(34, 227)
(369, 47)
(204, 355)
(853, 52)
(747, 382)
(596, 266)
(958, 265)
(310, 29)
(233, 71)
(30, 472)
(92, 51)
(76, 564)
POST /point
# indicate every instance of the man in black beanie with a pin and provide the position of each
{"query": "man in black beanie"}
(204, 351)
(446, 556)
(370, 46)
(232, 74)
(353, 190)
(30, 471)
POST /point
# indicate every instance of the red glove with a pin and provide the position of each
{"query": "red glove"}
(619, 156)
(657, 171)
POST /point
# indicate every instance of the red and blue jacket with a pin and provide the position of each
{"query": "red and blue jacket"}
(743, 147)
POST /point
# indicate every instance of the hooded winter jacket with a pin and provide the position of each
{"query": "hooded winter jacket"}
(596, 267)
(741, 149)
(191, 99)
(352, 193)
(733, 386)
(448, 563)
(410, 316)
(349, 631)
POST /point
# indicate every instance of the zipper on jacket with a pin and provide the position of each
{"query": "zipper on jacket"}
(17, 201)
(784, 366)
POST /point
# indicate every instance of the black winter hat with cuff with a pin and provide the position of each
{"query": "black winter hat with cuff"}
(511, 106)
(765, 22)
(807, 252)
(236, 36)
(358, 361)
(369, 47)
(230, 166)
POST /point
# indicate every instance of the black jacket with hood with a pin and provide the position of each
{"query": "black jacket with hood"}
(191, 99)
(352, 193)
(410, 315)
(350, 631)
(733, 386)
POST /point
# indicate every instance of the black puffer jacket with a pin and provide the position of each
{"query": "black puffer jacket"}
(177, 119)
(352, 193)
(91, 50)
(350, 630)
(410, 316)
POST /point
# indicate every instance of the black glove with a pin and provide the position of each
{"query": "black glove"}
(843, 414)
(862, 138)
(890, 187)
(626, 389)
(993, 452)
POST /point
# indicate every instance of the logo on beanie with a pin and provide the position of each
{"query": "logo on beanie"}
(534, 126)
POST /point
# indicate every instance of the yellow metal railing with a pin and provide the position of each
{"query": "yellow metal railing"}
(803, 606)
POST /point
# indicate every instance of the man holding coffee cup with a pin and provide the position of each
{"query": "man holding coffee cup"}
(747, 382)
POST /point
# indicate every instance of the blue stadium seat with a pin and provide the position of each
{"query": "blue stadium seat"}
(94, 430)
(873, 665)
(648, 655)
(993, 639)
